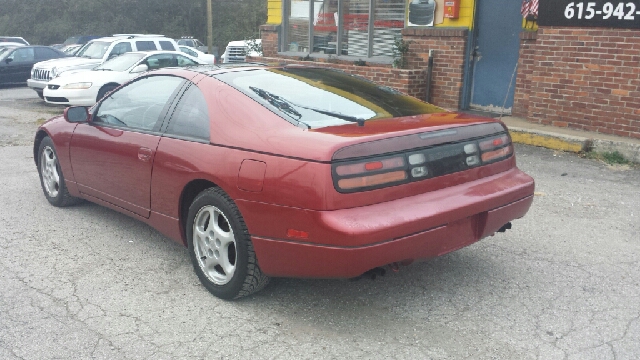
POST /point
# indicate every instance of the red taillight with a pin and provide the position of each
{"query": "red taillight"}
(420, 163)
(376, 165)
(493, 143)
(372, 180)
(495, 149)
(496, 154)
(359, 168)
(368, 174)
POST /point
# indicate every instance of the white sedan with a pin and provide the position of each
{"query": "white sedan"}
(86, 87)
(208, 58)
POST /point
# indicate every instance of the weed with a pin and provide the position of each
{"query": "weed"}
(400, 52)
(611, 158)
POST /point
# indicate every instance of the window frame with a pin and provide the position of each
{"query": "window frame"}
(286, 7)
(172, 113)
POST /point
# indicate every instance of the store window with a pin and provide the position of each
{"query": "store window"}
(343, 27)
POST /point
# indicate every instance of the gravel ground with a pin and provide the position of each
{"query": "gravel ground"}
(87, 282)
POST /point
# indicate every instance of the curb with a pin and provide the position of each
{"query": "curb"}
(575, 144)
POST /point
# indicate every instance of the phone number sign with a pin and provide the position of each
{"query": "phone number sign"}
(616, 14)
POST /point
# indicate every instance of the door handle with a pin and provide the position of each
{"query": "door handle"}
(145, 154)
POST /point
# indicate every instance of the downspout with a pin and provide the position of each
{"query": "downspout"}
(429, 74)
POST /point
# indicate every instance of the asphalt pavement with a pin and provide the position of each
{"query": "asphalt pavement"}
(88, 282)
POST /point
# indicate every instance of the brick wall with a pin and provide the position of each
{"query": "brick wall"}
(448, 61)
(408, 81)
(269, 36)
(587, 79)
(526, 65)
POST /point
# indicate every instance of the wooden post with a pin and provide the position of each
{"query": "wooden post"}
(209, 27)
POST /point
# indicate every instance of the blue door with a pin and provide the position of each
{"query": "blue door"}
(495, 55)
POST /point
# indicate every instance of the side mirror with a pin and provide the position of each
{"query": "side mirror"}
(8, 60)
(76, 114)
(140, 68)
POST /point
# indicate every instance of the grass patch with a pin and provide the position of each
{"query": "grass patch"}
(40, 121)
(611, 158)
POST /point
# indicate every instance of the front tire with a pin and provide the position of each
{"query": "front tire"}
(220, 247)
(104, 90)
(51, 177)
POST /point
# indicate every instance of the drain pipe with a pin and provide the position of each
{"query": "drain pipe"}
(429, 72)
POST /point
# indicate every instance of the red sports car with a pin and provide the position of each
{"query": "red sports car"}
(285, 171)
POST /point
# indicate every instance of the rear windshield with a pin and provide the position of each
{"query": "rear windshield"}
(323, 97)
(72, 40)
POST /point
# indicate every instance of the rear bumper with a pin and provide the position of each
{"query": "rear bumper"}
(356, 240)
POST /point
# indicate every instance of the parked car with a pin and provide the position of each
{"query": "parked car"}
(194, 43)
(70, 50)
(79, 39)
(290, 171)
(9, 44)
(237, 51)
(86, 87)
(96, 52)
(14, 39)
(16, 62)
(207, 58)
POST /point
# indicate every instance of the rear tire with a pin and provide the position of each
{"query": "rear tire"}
(51, 177)
(220, 247)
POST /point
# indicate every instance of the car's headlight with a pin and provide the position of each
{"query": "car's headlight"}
(81, 85)
(54, 73)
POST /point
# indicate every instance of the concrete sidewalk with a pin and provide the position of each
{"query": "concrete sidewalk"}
(565, 139)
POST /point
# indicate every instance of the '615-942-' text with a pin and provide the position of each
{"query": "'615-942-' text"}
(588, 10)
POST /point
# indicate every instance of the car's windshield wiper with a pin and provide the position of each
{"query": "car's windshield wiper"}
(102, 69)
(279, 102)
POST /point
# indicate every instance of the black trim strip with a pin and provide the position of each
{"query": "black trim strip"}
(270, 154)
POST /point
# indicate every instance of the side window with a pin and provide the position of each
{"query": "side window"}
(22, 55)
(44, 53)
(167, 45)
(119, 49)
(182, 42)
(139, 104)
(185, 61)
(191, 117)
(161, 61)
(145, 45)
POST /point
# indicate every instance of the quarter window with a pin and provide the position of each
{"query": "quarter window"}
(45, 53)
(167, 45)
(191, 117)
(139, 104)
(188, 51)
(145, 45)
(185, 61)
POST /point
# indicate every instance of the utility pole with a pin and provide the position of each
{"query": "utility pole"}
(209, 26)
